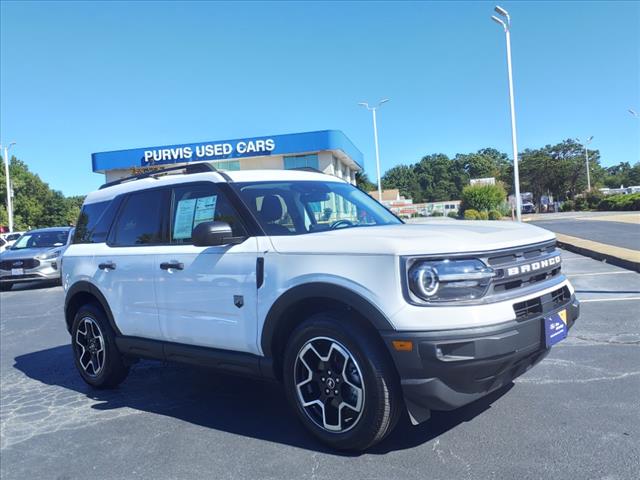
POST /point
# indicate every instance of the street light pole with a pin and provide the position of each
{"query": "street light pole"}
(375, 139)
(586, 156)
(8, 180)
(516, 174)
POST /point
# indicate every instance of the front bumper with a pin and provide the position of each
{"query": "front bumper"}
(448, 369)
(47, 270)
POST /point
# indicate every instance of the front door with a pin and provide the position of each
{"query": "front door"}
(207, 296)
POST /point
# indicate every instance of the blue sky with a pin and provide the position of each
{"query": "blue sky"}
(78, 78)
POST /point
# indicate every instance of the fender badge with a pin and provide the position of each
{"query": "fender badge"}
(238, 301)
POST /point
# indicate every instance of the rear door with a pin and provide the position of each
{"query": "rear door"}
(125, 264)
(206, 295)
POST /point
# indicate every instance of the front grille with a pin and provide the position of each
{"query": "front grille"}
(542, 304)
(524, 266)
(25, 263)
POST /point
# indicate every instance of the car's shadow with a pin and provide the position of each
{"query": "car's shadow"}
(22, 286)
(243, 406)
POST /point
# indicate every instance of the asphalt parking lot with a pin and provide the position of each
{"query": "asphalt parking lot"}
(576, 415)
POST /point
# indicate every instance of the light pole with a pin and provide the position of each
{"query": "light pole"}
(586, 156)
(6, 175)
(516, 174)
(375, 139)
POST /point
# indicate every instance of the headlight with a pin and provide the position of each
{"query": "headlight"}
(49, 255)
(448, 280)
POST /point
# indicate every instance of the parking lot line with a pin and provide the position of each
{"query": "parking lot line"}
(612, 272)
(588, 300)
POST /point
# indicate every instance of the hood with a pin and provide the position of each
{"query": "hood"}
(26, 252)
(437, 237)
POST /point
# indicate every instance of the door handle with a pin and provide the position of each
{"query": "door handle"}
(172, 265)
(107, 266)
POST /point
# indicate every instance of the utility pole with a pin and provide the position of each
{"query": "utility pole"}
(8, 180)
(506, 24)
(375, 139)
(586, 156)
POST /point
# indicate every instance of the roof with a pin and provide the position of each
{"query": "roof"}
(235, 176)
(292, 143)
(388, 194)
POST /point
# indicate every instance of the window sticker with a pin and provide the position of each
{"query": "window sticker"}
(205, 210)
(183, 224)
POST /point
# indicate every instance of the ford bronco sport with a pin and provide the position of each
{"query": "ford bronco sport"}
(303, 278)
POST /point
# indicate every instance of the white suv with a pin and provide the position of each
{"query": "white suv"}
(301, 277)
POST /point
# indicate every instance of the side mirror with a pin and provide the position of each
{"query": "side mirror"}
(210, 234)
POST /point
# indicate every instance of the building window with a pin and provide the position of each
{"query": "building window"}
(301, 161)
(227, 165)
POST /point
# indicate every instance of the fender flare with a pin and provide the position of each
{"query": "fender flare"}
(84, 286)
(331, 291)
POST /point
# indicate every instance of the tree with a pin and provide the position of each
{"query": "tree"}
(403, 178)
(34, 203)
(363, 182)
(439, 178)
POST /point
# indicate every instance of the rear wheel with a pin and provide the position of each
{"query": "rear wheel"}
(96, 355)
(4, 287)
(341, 382)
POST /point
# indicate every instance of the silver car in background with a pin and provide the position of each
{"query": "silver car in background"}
(35, 256)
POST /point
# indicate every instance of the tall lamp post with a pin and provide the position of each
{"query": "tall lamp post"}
(586, 156)
(506, 25)
(6, 176)
(375, 139)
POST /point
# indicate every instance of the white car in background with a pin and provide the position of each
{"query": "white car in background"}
(9, 239)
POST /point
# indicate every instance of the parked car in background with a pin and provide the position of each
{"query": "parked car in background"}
(3, 245)
(34, 256)
(9, 238)
(528, 207)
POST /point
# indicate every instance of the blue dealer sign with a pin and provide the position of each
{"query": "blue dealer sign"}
(292, 143)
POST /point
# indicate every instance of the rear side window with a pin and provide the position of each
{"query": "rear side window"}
(141, 219)
(88, 219)
(197, 203)
(95, 221)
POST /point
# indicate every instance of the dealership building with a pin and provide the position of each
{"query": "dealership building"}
(329, 151)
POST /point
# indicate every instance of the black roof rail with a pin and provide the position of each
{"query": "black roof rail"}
(200, 167)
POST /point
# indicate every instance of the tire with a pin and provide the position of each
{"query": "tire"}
(95, 353)
(5, 287)
(365, 378)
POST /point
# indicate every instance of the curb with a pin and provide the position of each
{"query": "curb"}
(599, 255)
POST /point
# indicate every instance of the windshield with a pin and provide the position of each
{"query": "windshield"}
(53, 238)
(298, 207)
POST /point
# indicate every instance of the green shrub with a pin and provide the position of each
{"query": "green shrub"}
(483, 215)
(505, 209)
(452, 215)
(594, 197)
(471, 214)
(581, 204)
(494, 215)
(437, 213)
(568, 206)
(483, 197)
(620, 202)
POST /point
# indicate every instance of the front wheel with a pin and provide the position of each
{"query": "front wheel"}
(341, 382)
